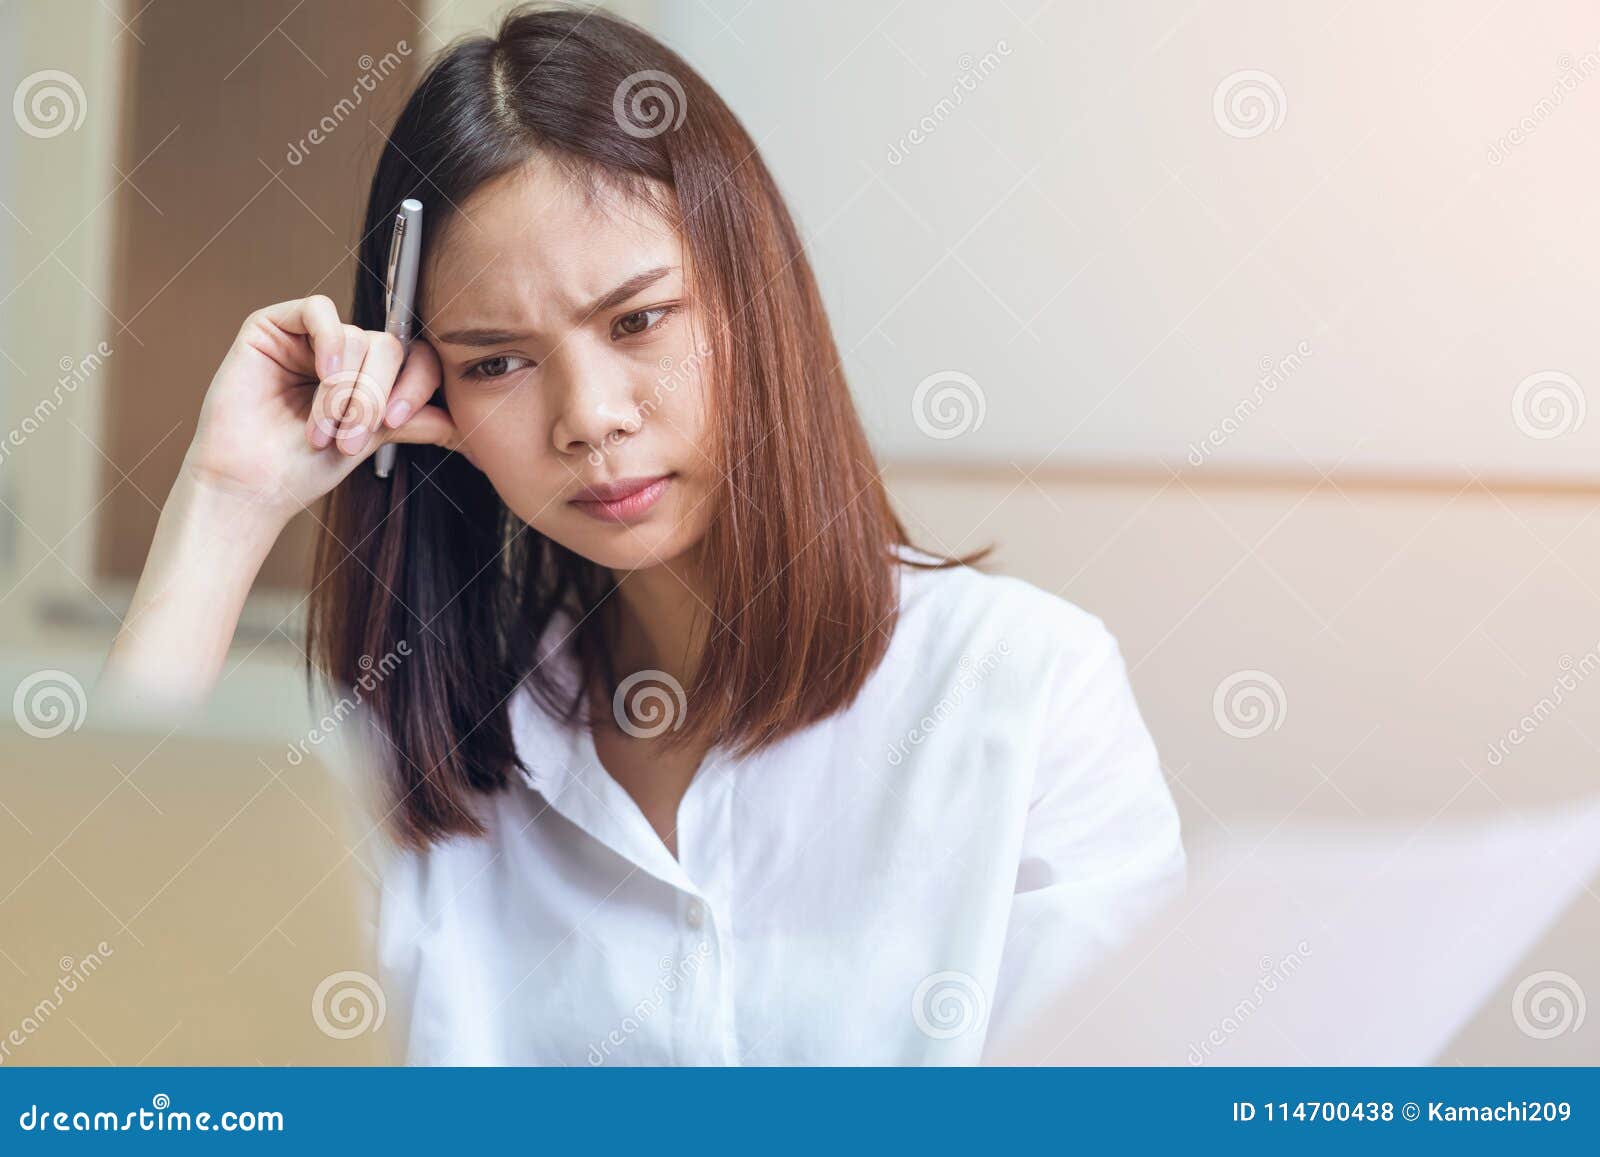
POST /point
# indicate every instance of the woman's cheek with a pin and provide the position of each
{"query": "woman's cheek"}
(688, 415)
(508, 440)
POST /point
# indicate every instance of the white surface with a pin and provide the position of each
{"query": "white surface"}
(1382, 942)
(1081, 238)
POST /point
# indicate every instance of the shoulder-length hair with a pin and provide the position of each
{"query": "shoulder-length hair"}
(431, 564)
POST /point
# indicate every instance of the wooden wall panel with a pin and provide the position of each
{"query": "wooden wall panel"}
(230, 203)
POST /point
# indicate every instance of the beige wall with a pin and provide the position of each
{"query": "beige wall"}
(1410, 628)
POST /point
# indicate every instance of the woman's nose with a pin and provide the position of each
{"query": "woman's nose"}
(597, 409)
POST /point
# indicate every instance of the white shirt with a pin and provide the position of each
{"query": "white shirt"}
(898, 884)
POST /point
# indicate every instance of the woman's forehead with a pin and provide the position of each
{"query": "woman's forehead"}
(541, 235)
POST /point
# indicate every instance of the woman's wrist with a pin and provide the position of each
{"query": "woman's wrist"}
(214, 508)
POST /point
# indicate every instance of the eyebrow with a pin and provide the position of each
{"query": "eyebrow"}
(630, 288)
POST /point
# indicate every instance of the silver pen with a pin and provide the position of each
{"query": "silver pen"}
(400, 297)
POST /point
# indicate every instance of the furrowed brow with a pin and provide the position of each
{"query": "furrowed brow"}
(635, 285)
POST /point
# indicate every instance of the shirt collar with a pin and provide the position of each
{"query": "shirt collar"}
(561, 764)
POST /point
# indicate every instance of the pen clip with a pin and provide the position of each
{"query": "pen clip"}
(394, 263)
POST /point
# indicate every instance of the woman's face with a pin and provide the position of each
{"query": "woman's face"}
(573, 365)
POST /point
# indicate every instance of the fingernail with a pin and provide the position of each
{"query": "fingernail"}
(353, 432)
(335, 359)
(398, 412)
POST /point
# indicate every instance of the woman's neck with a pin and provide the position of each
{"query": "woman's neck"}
(662, 612)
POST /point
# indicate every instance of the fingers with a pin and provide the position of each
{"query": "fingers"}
(364, 410)
(429, 426)
(317, 318)
(409, 418)
(416, 384)
(379, 394)
(349, 396)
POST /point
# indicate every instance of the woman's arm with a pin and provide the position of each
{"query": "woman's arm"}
(1102, 850)
(208, 547)
(299, 401)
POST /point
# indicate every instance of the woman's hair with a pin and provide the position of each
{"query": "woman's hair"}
(432, 566)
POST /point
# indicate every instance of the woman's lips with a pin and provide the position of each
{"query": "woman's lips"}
(623, 501)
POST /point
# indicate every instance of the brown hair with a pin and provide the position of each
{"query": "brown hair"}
(799, 553)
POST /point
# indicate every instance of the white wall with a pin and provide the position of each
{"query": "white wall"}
(1047, 198)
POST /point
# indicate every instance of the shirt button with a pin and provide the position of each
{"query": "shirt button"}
(696, 915)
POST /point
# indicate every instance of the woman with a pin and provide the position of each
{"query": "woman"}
(693, 757)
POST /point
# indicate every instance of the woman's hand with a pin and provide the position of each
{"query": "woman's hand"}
(301, 399)
(299, 402)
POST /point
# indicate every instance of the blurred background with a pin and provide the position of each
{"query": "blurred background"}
(1257, 330)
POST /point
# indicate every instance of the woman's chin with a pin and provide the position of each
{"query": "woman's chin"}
(621, 547)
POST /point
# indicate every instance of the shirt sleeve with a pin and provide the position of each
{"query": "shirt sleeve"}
(1101, 850)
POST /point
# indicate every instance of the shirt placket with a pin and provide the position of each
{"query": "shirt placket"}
(705, 846)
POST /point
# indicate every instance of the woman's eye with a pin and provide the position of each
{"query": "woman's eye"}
(640, 321)
(498, 367)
